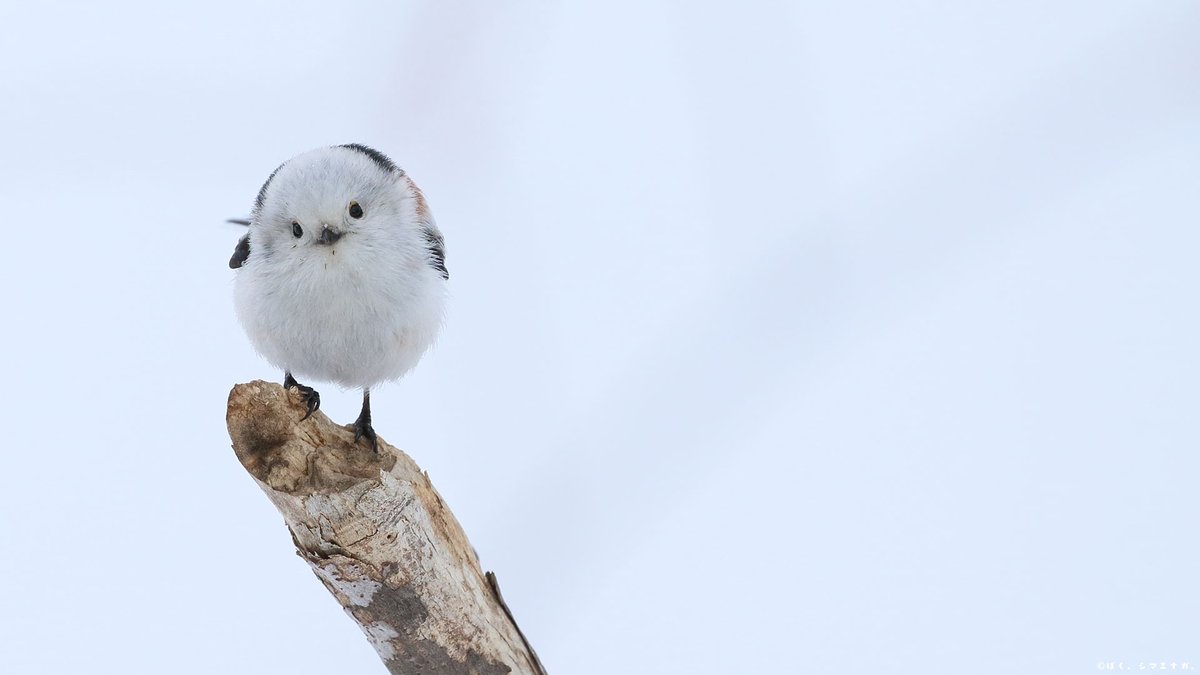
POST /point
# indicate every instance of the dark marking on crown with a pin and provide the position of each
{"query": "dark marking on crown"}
(437, 251)
(262, 192)
(381, 160)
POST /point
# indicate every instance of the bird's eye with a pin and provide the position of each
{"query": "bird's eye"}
(355, 210)
(296, 229)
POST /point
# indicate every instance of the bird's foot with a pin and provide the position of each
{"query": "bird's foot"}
(312, 400)
(363, 429)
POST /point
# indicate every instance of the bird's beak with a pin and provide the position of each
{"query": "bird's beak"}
(328, 236)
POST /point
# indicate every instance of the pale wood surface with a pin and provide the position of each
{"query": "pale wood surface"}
(379, 537)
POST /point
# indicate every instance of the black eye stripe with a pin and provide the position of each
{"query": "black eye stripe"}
(355, 210)
(297, 231)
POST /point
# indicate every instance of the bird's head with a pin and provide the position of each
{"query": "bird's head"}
(345, 197)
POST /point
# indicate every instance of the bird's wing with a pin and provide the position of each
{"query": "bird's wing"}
(437, 250)
(240, 253)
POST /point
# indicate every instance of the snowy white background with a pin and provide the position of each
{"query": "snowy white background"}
(846, 338)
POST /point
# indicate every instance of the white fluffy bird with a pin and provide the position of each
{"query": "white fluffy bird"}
(342, 275)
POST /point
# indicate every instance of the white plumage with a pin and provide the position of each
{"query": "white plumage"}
(344, 277)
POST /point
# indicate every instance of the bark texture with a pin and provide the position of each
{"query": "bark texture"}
(379, 537)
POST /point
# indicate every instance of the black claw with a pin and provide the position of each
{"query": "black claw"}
(312, 399)
(364, 429)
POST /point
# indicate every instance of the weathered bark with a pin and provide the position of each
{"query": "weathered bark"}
(379, 537)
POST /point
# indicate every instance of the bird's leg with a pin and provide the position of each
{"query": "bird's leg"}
(309, 395)
(362, 425)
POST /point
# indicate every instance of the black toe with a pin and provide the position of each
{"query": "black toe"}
(365, 430)
(312, 400)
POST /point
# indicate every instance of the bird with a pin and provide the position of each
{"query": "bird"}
(342, 274)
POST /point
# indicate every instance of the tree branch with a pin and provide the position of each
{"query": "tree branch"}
(379, 537)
